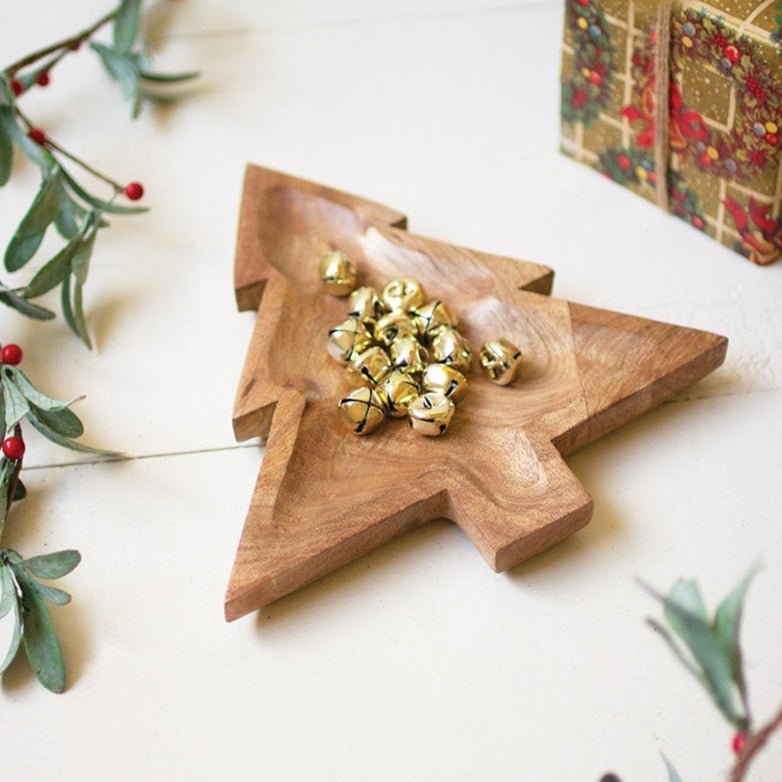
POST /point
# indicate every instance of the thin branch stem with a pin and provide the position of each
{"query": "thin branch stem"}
(116, 186)
(753, 744)
(65, 45)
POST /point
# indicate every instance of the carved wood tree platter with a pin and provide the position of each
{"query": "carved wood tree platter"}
(325, 496)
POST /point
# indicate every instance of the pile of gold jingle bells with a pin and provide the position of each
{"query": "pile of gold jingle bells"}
(406, 355)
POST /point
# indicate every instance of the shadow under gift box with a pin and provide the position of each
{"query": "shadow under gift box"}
(720, 65)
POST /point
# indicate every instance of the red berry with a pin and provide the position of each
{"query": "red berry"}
(732, 53)
(37, 135)
(42, 79)
(623, 161)
(134, 191)
(11, 354)
(595, 78)
(17, 87)
(583, 2)
(697, 222)
(13, 448)
(651, 177)
(705, 159)
(772, 139)
(739, 740)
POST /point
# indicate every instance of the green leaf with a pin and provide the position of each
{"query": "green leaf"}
(51, 566)
(687, 594)
(728, 618)
(16, 637)
(169, 78)
(121, 67)
(54, 271)
(32, 394)
(65, 302)
(126, 24)
(65, 442)
(40, 639)
(99, 204)
(78, 315)
(673, 774)
(31, 230)
(677, 651)
(81, 260)
(16, 407)
(8, 593)
(51, 594)
(7, 471)
(72, 310)
(24, 307)
(6, 155)
(705, 648)
(6, 94)
(64, 422)
(69, 215)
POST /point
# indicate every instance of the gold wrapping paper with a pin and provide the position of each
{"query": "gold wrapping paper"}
(724, 88)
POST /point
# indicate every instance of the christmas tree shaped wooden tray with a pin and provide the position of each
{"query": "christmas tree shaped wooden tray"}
(325, 496)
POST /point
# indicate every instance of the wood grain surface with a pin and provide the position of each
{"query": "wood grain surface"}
(325, 496)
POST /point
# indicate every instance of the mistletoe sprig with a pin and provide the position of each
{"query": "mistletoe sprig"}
(707, 645)
(62, 201)
(77, 215)
(27, 597)
(20, 589)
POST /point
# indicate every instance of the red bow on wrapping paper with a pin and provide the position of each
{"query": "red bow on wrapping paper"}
(665, 124)
(684, 123)
(763, 242)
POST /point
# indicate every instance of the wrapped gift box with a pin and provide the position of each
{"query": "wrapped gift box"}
(715, 72)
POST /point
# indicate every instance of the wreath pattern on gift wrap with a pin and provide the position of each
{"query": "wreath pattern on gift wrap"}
(588, 91)
(752, 145)
(749, 148)
(634, 166)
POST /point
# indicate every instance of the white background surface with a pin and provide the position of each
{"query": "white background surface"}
(415, 663)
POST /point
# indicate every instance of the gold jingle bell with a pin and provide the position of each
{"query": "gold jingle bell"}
(393, 326)
(431, 316)
(409, 354)
(450, 347)
(403, 294)
(397, 392)
(362, 409)
(369, 367)
(348, 339)
(500, 361)
(446, 380)
(365, 304)
(337, 273)
(430, 414)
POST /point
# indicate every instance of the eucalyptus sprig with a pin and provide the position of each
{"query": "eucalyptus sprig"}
(61, 200)
(709, 649)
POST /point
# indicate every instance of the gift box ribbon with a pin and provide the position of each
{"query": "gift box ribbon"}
(662, 109)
